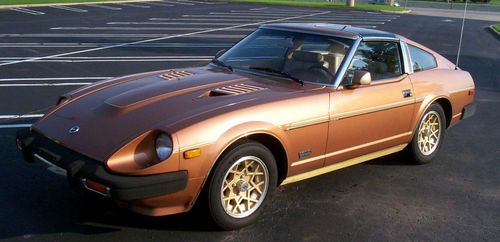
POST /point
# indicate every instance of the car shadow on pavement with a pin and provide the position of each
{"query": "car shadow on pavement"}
(396, 159)
(109, 214)
(71, 212)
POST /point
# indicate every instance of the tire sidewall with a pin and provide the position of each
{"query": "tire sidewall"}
(248, 148)
(418, 156)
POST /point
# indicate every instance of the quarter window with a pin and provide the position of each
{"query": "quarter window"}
(421, 59)
(381, 59)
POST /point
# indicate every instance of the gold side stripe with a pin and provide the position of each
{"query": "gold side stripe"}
(308, 160)
(323, 119)
(457, 115)
(461, 90)
(371, 109)
(343, 164)
(351, 148)
(307, 122)
(195, 146)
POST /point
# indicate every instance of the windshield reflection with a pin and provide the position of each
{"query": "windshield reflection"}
(296, 56)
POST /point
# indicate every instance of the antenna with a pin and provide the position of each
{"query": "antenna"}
(461, 35)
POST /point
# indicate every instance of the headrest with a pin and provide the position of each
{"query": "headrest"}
(337, 49)
(297, 43)
(377, 67)
(306, 56)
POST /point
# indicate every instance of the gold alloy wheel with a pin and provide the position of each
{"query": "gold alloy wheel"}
(429, 133)
(245, 186)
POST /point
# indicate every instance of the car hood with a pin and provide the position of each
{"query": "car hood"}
(111, 113)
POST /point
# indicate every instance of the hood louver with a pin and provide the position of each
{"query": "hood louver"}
(175, 75)
(235, 90)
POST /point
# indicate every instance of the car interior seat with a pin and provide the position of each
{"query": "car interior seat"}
(378, 70)
(307, 66)
(334, 57)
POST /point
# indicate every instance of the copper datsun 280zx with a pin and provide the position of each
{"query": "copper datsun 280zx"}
(286, 103)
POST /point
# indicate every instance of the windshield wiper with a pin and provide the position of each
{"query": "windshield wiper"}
(284, 74)
(220, 63)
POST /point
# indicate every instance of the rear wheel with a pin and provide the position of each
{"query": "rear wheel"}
(241, 183)
(428, 136)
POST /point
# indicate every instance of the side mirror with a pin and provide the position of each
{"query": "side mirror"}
(220, 52)
(360, 78)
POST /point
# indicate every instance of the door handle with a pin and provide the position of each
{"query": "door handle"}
(407, 93)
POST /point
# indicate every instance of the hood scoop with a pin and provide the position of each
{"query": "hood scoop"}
(235, 90)
(171, 75)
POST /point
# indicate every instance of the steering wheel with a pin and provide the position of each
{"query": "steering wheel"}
(323, 73)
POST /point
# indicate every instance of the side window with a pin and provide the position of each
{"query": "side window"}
(381, 59)
(421, 59)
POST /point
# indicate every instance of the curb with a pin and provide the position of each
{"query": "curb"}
(494, 31)
(68, 4)
(389, 11)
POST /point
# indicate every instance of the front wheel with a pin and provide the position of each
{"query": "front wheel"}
(428, 136)
(241, 183)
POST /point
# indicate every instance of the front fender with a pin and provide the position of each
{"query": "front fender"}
(242, 131)
(199, 168)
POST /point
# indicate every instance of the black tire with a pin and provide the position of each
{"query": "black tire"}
(238, 154)
(414, 151)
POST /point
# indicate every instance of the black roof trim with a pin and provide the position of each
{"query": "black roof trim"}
(364, 32)
(332, 29)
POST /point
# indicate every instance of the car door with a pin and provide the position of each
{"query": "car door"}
(374, 117)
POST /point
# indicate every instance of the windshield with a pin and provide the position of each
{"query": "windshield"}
(299, 56)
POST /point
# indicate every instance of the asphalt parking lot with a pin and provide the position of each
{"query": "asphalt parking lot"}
(45, 52)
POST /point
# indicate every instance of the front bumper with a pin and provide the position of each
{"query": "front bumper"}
(79, 169)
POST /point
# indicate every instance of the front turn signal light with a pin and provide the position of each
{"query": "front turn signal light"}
(96, 187)
(190, 154)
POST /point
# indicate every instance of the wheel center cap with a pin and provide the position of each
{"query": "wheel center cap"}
(242, 186)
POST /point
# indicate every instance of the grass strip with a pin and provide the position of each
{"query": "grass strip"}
(496, 27)
(492, 2)
(374, 7)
